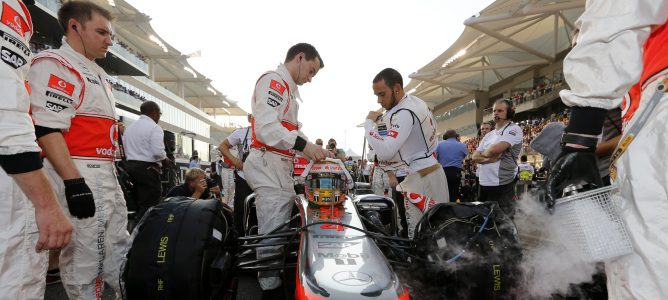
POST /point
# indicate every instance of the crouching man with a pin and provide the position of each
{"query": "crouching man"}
(195, 186)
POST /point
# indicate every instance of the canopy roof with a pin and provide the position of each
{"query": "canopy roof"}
(502, 40)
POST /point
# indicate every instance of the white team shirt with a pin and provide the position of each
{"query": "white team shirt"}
(237, 139)
(504, 170)
(410, 138)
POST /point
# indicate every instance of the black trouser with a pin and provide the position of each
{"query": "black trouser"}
(454, 177)
(401, 209)
(241, 191)
(503, 194)
(147, 187)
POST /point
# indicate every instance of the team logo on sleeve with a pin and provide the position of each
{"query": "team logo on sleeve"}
(393, 134)
(59, 84)
(276, 96)
(59, 97)
(12, 58)
(272, 102)
(16, 42)
(13, 20)
(382, 129)
(274, 85)
(54, 107)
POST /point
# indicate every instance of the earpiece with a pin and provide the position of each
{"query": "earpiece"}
(74, 27)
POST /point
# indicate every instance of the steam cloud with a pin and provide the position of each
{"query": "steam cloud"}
(549, 268)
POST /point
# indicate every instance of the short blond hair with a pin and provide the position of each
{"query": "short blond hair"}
(193, 174)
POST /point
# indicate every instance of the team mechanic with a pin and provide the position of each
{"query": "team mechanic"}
(241, 139)
(26, 227)
(276, 137)
(409, 144)
(623, 44)
(75, 123)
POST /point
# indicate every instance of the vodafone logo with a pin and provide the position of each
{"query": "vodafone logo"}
(60, 84)
(274, 85)
(105, 152)
(13, 20)
(418, 200)
(17, 23)
(113, 134)
(626, 103)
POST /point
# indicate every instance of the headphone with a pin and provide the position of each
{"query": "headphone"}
(74, 27)
(510, 111)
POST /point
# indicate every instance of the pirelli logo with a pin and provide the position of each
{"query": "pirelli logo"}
(16, 42)
(59, 97)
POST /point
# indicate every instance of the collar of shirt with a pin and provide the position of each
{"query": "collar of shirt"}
(285, 74)
(147, 118)
(401, 103)
(89, 63)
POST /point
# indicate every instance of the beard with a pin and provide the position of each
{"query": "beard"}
(393, 103)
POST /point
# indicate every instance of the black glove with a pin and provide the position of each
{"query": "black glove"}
(577, 167)
(79, 198)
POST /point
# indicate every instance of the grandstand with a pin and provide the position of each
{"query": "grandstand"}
(144, 67)
(512, 49)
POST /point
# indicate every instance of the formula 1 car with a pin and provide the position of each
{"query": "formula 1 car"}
(341, 243)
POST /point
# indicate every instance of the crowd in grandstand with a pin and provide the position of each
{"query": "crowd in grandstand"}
(121, 88)
(131, 50)
(520, 97)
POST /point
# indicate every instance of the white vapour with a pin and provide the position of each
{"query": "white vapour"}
(548, 266)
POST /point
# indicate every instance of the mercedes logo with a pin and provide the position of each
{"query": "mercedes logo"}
(352, 278)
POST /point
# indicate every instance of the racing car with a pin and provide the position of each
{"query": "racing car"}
(344, 243)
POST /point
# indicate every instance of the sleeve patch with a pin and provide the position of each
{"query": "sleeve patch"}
(375, 135)
(274, 85)
(393, 134)
(60, 84)
(11, 18)
(12, 58)
(382, 129)
(272, 102)
(54, 107)
(59, 97)
(276, 96)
